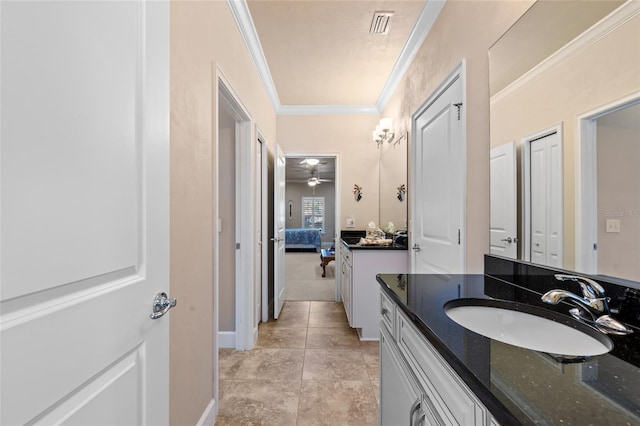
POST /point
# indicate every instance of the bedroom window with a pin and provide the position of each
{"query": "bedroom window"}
(313, 213)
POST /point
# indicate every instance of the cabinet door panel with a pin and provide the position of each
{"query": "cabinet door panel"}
(398, 391)
(454, 402)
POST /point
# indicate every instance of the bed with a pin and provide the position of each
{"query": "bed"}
(300, 239)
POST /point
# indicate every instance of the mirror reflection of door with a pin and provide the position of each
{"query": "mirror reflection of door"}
(596, 69)
(504, 221)
(543, 207)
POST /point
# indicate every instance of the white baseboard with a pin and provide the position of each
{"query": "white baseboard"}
(227, 339)
(209, 416)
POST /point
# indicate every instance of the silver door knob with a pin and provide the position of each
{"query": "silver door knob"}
(161, 305)
(416, 247)
(508, 240)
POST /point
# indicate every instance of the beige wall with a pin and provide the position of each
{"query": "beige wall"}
(349, 136)
(464, 30)
(203, 35)
(605, 71)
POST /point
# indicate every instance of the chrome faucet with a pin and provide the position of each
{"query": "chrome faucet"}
(592, 293)
(593, 301)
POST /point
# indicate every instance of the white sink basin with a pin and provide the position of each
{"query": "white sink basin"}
(528, 327)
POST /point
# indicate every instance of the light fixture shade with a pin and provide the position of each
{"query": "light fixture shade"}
(312, 183)
(386, 124)
(312, 161)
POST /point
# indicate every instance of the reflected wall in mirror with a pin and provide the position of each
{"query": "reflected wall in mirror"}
(570, 70)
(393, 176)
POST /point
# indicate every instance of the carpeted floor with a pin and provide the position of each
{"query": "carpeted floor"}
(304, 277)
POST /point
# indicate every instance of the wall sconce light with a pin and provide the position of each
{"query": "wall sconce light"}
(383, 132)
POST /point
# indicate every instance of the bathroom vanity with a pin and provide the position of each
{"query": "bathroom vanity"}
(360, 295)
(435, 371)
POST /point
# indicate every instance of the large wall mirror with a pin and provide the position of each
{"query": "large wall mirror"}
(393, 183)
(565, 138)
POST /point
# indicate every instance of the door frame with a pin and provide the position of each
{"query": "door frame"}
(261, 273)
(586, 196)
(526, 188)
(337, 177)
(263, 188)
(245, 202)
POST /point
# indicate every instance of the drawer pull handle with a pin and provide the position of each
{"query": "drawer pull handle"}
(384, 311)
(414, 408)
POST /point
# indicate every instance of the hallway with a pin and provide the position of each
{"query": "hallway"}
(308, 368)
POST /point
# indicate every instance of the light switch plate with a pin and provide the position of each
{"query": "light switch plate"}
(351, 223)
(613, 225)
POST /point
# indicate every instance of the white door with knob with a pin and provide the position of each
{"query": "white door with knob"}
(503, 230)
(279, 217)
(543, 197)
(85, 212)
(439, 170)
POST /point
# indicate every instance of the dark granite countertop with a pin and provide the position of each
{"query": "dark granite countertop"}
(521, 386)
(353, 245)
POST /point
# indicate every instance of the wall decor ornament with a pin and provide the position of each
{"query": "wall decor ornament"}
(402, 190)
(357, 192)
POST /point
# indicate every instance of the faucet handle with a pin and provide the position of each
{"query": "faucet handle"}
(590, 288)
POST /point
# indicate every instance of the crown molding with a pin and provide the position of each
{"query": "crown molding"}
(240, 12)
(426, 19)
(600, 29)
(327, 109)
(242, 16)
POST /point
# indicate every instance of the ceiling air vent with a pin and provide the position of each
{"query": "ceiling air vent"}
(380, 22)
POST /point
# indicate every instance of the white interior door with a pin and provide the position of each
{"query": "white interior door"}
(439, 182)
(85, 212)
(503, 228)
(543, 199)
(278, 229)
(538, 202)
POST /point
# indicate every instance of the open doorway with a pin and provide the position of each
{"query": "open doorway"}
(234, 239)
(311, 227)
(608, 201)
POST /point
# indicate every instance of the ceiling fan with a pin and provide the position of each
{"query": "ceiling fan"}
(314, 179)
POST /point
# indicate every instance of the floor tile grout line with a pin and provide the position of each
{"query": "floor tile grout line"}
(304, 355)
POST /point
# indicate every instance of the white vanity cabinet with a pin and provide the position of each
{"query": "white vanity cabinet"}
(359, 289)
(346, 283)
(402, 401)
(416, 385)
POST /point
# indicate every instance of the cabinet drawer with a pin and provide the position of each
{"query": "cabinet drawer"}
(346, 255)
(388, 313)
(454, 401)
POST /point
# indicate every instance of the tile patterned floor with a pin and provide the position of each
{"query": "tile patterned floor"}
(308, 368)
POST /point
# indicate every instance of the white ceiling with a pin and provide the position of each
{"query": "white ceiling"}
(317, 56)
